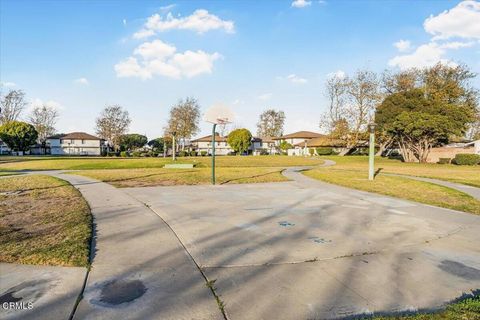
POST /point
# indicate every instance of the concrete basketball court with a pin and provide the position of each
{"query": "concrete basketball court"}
(291, 250)
(310, 250)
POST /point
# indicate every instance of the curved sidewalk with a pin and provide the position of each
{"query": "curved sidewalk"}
(140, 270)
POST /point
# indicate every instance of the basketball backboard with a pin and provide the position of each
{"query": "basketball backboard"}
(218, 114)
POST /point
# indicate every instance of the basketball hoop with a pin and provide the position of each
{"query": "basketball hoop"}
(218, 114)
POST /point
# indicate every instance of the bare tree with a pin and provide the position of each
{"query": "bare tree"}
(112, 123)
(13, 104)
(184, 120)
(44, 118)
(271, 123)
(363, 95)
(335, 91)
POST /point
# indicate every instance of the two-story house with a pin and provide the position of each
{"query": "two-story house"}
(205, 144)
(75, 143)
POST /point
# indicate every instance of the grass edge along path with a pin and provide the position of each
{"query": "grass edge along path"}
(125, 178)
(399, 187)
(44, 220)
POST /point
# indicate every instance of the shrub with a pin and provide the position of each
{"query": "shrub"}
(136, 154)
(324, 151)
(111, 154)
(444, 160)
(193, 153)
(311, 151)
(103, 153)
(203, 153)
(182, 154)
(469, 159)
(123, 154)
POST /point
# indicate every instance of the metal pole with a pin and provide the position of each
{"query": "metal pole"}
(173, 146)
(371, 156)
(213, 153)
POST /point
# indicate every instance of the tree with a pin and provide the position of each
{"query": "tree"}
(271, 123)
(132, 141)
(12, 106)
(442, 105)
(239, 140)
(284, 146)
(43, 118)
(363, 95)
(335, 91)
(418, 122)
(352, 105)
(112, 123)
(184, 120)
(18, 136)
(158, 144)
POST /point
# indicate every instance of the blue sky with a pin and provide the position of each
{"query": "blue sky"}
(79, 56)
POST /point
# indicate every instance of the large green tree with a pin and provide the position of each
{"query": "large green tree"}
(441, 106)
(239, 140)
(18, 136)
(132, 141)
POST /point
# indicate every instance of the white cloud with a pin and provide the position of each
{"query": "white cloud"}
(293, 78)
(39, 103)
(265, 96)
(462, 21)
(124, 21)
(427, 55)
(82, 81)
(155, 49)
(340, 74)
(8, 84)
(301, 3)
(402, 45)
(159, 58)
(200, 21)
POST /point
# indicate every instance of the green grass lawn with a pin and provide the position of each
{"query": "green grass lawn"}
(469, 175)
(123, 178)
(91, 163)
(43, 220)
(468, 309)
(399, 187)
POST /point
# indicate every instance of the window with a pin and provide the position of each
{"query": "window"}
(83, 141)
(61, 141)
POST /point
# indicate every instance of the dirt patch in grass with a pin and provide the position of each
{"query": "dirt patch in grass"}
(44, 220)
(168, 177)
(399, 187)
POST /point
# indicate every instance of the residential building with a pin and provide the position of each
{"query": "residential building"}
(75, 143)
(450, 150)
(263, 145)
(298, 140)
(205, 144)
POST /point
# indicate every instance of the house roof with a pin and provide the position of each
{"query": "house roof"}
(263, 139)
(300, 135)
(75, 135)
(208, 138)
(326, 142)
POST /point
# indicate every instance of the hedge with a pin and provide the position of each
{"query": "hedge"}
(469, 159)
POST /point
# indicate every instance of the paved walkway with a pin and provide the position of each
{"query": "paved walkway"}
(472, 191)
(302, 249)
(51, 292)
(310, 250)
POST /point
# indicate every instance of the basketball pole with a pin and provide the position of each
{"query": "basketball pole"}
(213, 153)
